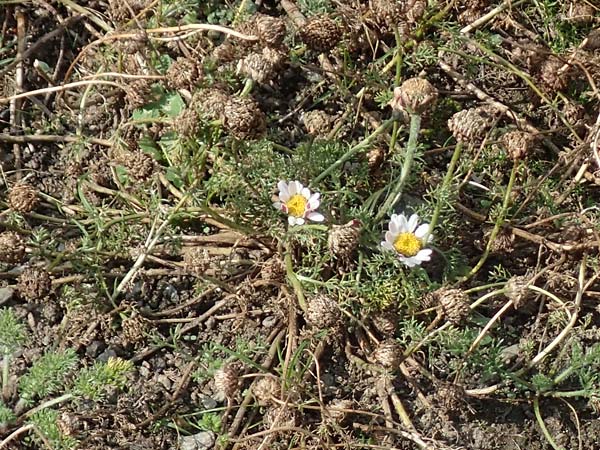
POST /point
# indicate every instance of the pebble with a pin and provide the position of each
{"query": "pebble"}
(201, 441)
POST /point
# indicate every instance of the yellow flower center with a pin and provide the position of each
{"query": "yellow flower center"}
(407, 244)
(296, 205)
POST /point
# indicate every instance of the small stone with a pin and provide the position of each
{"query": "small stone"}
(200, 441)
(6, 293)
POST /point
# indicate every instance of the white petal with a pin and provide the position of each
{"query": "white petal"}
(284, 197)
(422, 230)
(299, 221)
(424, 255)
(306, 193)
(292, 188)
(387, 246)
(277, 205)
(412, 223)
(292, 220)
(283, 187)
(313, 201)
(390, 237)
(393, 227)
(315, 217)
(298, 187)
(411, 262)
(402, 223)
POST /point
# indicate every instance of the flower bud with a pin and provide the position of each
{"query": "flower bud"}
(414, 96)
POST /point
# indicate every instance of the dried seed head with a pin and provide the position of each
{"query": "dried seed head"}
(243, 118)
(518, 144)
(138, 93)
(211, 102)
(454, 304)
(225, 53)
(196, 260)
(471, 125)
(551, 76)
(414, 96)
(134, 329)
(270, 30)
(139, 164)
(273, 269)
(12, 247)
(23, 197)
(321, 34)
(385, 322)
(503, 242)
(387, 13)
(323, 312)
(375, 158)
(592, 42)
(187, 124)
(280, 417)
(265, 389)
(184, 73)
(450, 397)
(343, 239)
(336, 407)
(580, 12)
(318, 123)
(34, 284)
(517, 292)
(263, 66)
(226, 380)
(388, 353)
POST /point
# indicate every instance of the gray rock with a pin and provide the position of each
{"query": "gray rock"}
(6, 294)
(201, 441)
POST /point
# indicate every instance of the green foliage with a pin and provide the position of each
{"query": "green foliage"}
(93, 382)
(6, 414)
(46, 420)
(47, 375)
(315, 7)
(12, 332)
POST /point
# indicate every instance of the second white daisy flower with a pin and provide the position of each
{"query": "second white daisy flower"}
(298, 203)
(406, 238)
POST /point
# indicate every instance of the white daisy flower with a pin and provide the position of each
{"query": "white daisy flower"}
(298, 203)
(406, 239)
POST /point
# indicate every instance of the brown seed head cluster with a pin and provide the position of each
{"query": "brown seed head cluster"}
(450, 397)
(518, 144)
(336, 407)
(196, 260)
(187, 123)
(551, 75)
(270, 30)
(139, 164)
(323, 312)
(388, 354)
(12, 247)
(385, 322)
(280, 417)
(262, 66)
(343, 240)
(454, 304)
(321, 34)
(226, 380)
(243, 118)
(23, 197)
(134, 329)
(318, 123)
(34, 284)
(414, 96)
(517, 292)
(265, 389)
(184, 73)
(470, 126)
(273, 269)
(580, 12)
(211, 102)
(138, 93)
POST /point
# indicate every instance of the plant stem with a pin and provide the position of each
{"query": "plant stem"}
(411, 147)
(497, 224)
(354, 150)
(289, 268)
(540, 420)
(5, 387)
(445, 185)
